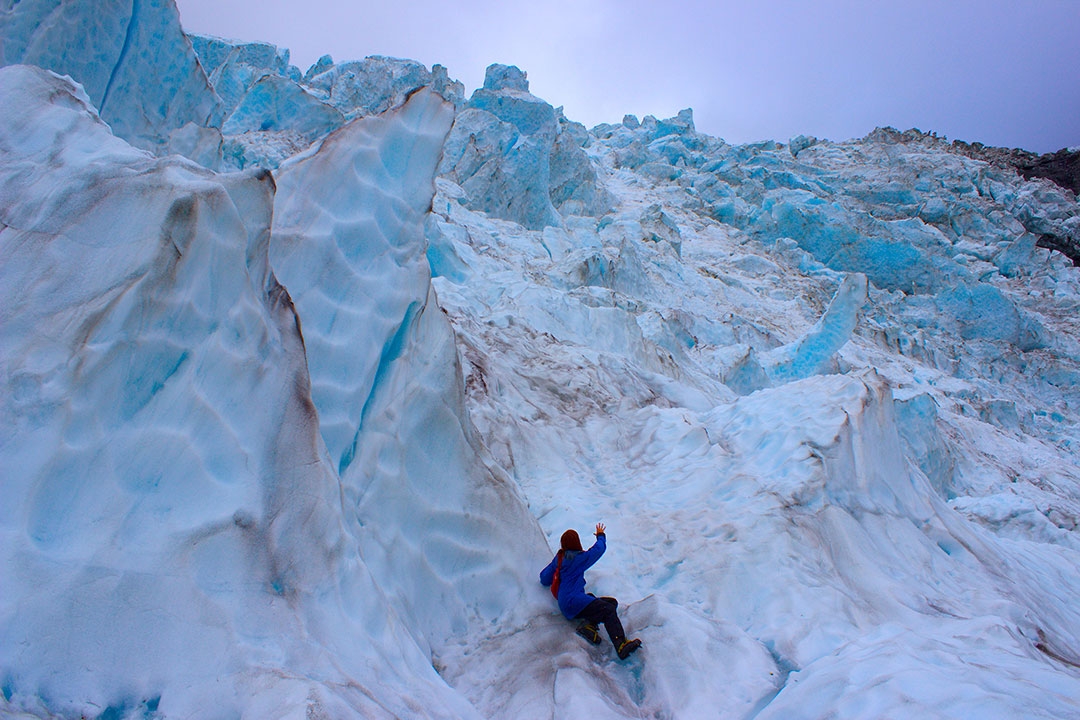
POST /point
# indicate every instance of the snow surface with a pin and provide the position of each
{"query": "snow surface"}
(295, 441)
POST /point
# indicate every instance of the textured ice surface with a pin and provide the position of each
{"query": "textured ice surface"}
(376, 83)
(167, 490)
(445, 536)
(278, 104)
(136, 64)
(233, 67)
(349, 218)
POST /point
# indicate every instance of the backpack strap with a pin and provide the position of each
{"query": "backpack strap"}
(555, 579)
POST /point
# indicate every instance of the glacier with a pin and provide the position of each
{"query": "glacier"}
(305, 373)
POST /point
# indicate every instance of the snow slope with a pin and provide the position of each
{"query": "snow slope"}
(789, 541)
(295, 440)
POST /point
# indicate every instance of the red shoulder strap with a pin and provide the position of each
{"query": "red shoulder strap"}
(555, 578)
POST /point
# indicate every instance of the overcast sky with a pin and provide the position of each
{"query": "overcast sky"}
(1001, 72)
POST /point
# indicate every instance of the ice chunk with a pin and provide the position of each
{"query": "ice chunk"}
(681, 124)
(138, 67)
(320, 66)
(279, 104)
(1017, 256)
(505, 77)
(377, 83)
(530, 116)
(234, 67)
(811, 353)
(800, 142)
(500, 152)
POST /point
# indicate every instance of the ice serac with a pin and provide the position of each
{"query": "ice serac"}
(233, 67)
(166, 488)
(375, 84)
(349, 245)
(278, 104)
(812, 353)
(432, 519)
(513, 155)
(135, 62)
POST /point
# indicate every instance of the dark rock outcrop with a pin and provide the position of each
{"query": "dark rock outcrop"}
(1061, 167)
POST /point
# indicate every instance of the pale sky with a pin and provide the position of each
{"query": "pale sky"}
(1001, 72)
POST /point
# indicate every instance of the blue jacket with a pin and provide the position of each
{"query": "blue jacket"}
(572, 596)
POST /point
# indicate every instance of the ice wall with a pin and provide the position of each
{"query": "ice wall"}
(516, 157)
(443, 532)
(173, 537)
(136, 64)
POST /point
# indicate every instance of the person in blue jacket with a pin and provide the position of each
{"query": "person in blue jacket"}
(565, 575)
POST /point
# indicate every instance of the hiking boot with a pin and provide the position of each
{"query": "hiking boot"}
(627, 647)
(590, 632)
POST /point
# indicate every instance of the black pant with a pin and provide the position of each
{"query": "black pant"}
(602, 610)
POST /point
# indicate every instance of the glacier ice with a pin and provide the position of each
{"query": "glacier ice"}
(516, 157)
(874, 494)
(132, 58)
(376, 83)
(811, 354)
(278, 104)
(143, 494)
(379, 171)
(349, 242)
(233, 67)
(499, 150)
(288, 442)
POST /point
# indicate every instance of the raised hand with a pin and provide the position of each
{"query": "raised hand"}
(599, 529)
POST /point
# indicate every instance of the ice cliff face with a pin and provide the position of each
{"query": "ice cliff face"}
(174, 521)
(130, 56)
(301, 369)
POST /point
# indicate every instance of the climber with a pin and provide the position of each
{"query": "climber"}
(565, 575)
